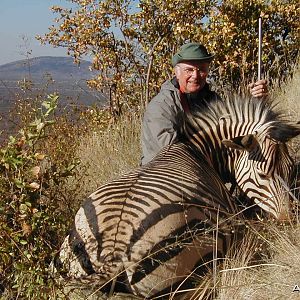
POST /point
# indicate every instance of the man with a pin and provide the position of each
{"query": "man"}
(161, 121)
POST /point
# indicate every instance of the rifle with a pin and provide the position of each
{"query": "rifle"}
(259, 48)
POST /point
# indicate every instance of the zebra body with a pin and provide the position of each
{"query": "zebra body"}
(157, 228)
(153, 227)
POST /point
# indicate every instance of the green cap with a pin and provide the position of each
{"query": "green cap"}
(192, 51)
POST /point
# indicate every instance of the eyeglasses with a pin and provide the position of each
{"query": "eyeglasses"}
(190, 71)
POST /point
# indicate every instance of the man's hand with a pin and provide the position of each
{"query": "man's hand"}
(259, 89)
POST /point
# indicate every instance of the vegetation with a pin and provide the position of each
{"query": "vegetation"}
(43, 180)
(131, 42)
(55, 160)
(31, 200)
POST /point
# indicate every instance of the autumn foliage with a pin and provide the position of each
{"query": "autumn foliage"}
(131, 42)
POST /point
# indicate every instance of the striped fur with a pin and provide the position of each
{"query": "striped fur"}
(158, 223)
(151, 228)
(244, 141)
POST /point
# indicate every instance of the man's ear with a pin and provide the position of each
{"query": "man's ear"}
(243, 142)
(176, 71)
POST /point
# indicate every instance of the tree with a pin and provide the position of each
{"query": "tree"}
(131, 42)
(232, 34)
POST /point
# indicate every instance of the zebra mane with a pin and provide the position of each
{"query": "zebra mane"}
(265, 113)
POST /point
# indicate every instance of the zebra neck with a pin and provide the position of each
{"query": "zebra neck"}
(216, 155)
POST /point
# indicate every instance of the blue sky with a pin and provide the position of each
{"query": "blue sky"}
(26, 18)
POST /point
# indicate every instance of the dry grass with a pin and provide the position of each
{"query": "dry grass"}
(288, 95)
(274, 276)
(108, 154)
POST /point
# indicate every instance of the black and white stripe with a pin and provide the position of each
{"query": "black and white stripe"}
(151, 228)
(244, 141)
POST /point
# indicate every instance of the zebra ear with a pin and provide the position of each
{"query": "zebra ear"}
(244, 142)
(284, 132)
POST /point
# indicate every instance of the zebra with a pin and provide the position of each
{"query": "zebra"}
(245, 141)
(150, 229)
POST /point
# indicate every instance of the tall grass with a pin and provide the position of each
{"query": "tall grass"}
(263, 266)
(266, 263)
(106, 154)
(288, 96)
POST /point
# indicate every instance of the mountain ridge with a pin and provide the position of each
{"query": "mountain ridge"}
(59, 67)
(50, 74)
(46, 75)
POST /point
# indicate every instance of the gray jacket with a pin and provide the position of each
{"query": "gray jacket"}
(162, 121)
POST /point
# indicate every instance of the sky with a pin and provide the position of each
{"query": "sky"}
(20, 22)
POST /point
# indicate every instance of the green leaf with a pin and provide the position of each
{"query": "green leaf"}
(19, 183)
(46, 104)
(23, 208)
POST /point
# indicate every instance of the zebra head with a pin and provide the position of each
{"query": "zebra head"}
(263, 169)
(245, 141)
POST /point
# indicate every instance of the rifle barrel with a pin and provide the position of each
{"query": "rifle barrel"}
(259, 48)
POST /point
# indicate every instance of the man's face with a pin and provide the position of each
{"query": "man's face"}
(191, 75)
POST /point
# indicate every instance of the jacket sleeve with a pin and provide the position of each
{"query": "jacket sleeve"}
(160, 126)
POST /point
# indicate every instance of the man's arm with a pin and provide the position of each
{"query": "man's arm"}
(159, 128)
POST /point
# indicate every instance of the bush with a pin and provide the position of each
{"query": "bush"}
(32, 220)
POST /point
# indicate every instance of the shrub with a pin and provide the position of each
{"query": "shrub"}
(32, 220)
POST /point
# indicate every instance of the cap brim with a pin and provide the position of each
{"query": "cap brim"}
(178, 59)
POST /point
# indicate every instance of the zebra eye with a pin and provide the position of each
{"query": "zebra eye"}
(262, 175)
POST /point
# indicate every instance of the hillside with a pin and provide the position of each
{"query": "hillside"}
(48, 74)
(60, 68)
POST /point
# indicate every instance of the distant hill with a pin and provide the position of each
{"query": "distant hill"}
(48, 75)
(60, 68)
(67, 79)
